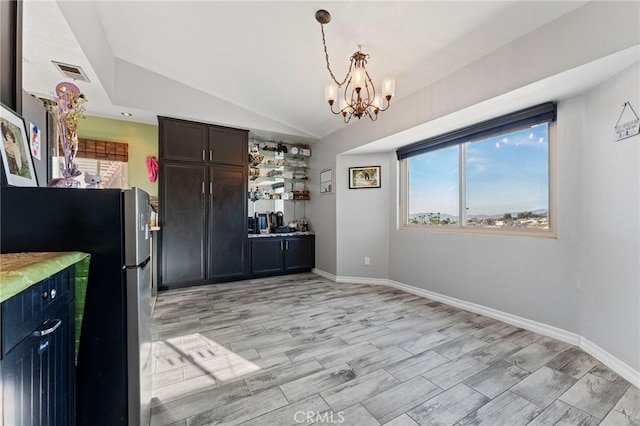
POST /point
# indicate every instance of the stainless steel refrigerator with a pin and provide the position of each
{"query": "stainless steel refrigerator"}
(113, 371)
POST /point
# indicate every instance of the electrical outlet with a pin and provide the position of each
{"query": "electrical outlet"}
(367, 261)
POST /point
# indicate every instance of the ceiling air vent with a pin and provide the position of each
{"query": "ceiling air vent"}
(71, 71)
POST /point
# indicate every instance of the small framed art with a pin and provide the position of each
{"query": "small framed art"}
(364, 177)
(326, 181)
(14, 147)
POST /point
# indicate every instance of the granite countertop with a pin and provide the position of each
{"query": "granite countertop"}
(281, 234)
(19, 271)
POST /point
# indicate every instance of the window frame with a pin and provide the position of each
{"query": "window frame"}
(551, 232)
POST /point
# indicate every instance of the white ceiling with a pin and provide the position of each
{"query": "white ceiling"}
(258, 65)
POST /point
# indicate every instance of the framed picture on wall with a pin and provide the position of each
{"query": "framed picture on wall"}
(14, 146)
(364, 177)
(326, 181)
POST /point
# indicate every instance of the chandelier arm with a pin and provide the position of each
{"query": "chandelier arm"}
(371, 117)
(326, 55)
(388, 105)
(335, 112)
(373, 88)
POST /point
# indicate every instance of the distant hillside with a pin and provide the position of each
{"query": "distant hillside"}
(539, 212)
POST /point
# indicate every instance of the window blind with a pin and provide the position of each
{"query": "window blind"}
(507, 123)
(103, 150)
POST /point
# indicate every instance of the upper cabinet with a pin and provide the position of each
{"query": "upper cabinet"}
(227, 146)
(183, 140)
(189, 141)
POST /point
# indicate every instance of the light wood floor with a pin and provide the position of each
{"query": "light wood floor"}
(300, 349)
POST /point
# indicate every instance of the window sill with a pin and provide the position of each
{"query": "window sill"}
(547, 233)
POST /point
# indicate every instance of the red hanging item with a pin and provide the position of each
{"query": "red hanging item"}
(152, 168)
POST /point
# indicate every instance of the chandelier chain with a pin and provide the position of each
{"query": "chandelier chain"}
(326, 54)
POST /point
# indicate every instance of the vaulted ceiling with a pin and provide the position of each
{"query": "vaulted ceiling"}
(258, 65)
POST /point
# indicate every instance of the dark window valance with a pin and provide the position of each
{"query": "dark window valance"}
(507, 123)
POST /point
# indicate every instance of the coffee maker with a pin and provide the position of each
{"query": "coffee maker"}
(277, 222)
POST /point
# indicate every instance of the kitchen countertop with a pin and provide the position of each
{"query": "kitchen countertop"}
(19, 271)
(281, 234)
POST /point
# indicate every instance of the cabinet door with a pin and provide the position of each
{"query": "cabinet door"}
(183, 223)
(228, 146)
(299, 254)
(183, 140)
(227, 223)
(267, 256)
(37, 376)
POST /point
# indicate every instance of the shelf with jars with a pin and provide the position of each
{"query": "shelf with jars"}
(278, 178)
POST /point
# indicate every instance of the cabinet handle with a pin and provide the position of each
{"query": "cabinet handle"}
(281, 247)
(40, 333)
(210, 155)
(203, 159)
(287, 245)
(211, 188)
(54, 293)
(203, 187)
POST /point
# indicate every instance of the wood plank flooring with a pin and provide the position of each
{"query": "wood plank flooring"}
(300, 349)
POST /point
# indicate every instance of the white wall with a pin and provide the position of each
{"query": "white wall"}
(363, 225)
(609, 296)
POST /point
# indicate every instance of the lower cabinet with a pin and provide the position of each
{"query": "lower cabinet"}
(37, 363)
(282, 255)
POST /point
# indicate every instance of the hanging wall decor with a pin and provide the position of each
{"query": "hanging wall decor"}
(630, 127)
(14, 147)
(326, 181)
(364, 177)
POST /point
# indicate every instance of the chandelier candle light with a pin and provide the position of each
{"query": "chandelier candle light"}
(359, 96)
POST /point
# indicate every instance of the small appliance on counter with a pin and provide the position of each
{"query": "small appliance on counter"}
(261, 223)
(276, 222)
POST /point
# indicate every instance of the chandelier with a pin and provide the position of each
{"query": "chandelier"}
(359, 96)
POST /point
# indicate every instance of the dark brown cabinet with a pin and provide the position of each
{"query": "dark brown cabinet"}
(275, 255)
(197, 142)
(203, 208)
(299, 254)
(183, 140)
(184, 223)
(227, 222)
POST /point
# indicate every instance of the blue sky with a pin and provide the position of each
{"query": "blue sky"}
(506, 173)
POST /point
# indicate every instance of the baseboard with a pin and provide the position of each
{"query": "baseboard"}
(324, 274)
(527, 324)
(621, 368)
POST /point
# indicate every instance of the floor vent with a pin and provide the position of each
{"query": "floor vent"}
(71, 71)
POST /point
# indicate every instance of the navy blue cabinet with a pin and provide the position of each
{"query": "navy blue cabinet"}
(37, 364)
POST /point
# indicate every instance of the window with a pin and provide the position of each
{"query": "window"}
(113, 174)
(493, 177)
